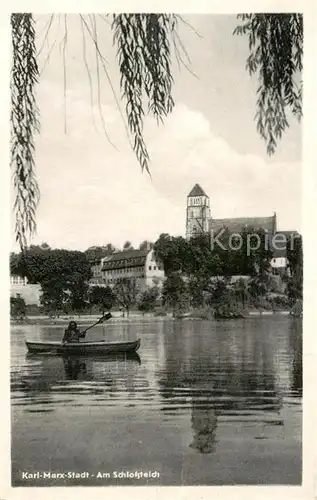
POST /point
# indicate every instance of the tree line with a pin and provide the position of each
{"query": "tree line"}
(64, 277)
(227, 278)
(197, 276)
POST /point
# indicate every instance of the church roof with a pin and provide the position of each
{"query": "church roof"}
(196, 191)
(239, 224)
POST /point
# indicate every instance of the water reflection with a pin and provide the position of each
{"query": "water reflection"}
(74, 367)
(296, 345)
(44, 374)
(227, 375)
(210, 396)
(204, 424)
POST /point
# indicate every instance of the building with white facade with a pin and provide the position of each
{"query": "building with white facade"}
(17, 281)
(139, 264)
(19, 286)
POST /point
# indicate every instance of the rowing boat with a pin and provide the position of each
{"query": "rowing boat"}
(96, 347)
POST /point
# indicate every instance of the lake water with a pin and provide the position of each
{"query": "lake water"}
(206, 403)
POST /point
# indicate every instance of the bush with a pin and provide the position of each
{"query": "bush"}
(17, 307)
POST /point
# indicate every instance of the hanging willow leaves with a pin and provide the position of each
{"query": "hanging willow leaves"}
(24, 124)
(276, 52)
(144, 56)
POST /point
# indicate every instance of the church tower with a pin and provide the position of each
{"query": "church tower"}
(197, 212)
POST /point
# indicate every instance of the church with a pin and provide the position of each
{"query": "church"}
(199, 221)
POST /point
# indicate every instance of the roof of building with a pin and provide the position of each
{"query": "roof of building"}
(98, 261)
(239, 224)
(127, 257)
(196, 191)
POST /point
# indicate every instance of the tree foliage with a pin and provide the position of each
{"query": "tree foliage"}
(54, 297)
(62, 274)
(95, 253)
(128, 246)
(175, 293)
(295, 263)
(145, 245)
(24, 123)
(40, 265)
(144, 57)
(197, 258)
(276, 55)
(126, 292)
(17, 307)
(102, 297)
(148, 299)
(144, 49)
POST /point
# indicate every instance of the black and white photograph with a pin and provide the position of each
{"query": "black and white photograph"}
(156, 256)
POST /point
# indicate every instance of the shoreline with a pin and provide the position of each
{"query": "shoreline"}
(84, 319)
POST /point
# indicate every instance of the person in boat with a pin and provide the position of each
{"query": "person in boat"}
(72, 333)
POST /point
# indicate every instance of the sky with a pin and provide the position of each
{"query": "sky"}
(93, 193)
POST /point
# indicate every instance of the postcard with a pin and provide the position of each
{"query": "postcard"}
(160, 213)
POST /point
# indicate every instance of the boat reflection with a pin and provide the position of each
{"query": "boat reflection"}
(77, 367)
(74, 367)
(41, 372)
(119, 357)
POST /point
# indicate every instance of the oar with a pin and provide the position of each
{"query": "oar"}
(100, 320)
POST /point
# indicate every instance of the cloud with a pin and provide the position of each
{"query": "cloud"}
(237, 184)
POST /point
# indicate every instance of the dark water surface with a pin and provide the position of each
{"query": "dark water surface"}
(207, 403)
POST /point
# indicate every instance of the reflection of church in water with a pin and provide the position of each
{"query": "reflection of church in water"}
(204, 424)
(214, 376)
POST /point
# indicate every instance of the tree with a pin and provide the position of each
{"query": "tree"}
(17, 307)
(197, 287)
(148, 299)
(44, 246)
(241, 291)
(276, 53)
(174, 252)
(294, 252)
(126, 291)
(38, 265)
(220, 291)
(175, 293)
(128, 245)
(78, 293)
(54, 297)
(146, 245)
(144, 44)
(98, 252)
(102, 297)
(62, 274)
